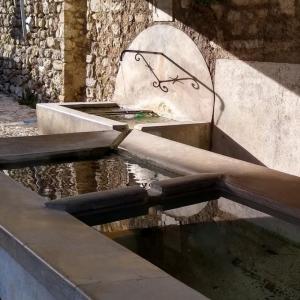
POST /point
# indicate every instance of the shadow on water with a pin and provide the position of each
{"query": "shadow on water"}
(224, 260)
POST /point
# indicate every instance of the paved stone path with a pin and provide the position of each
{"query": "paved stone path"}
(15, 119)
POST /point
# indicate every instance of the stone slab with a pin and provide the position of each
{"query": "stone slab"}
(197, 134)
(281, 191)
(72, 260)
(54, 118)
(186, 193)
(46, 148)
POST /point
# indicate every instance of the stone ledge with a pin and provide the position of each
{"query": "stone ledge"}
(70, 259)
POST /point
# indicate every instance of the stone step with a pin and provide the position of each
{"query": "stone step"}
(22, 151)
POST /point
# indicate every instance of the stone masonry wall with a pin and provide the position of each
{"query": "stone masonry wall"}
(73, 48)
(112, 25)
(260, 30)
(33, 62)
(250, 30)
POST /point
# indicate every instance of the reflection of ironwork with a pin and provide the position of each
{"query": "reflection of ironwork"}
(158, 83)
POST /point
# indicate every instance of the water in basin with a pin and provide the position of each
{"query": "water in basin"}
(131, 117)
(222, 260)
(59, 180)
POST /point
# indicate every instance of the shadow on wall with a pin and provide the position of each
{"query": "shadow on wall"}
(260, 33)
(181, 76)
(17, 80)
(225, 145)
(265, 31)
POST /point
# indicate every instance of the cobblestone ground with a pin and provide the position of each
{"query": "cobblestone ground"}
(15, 119)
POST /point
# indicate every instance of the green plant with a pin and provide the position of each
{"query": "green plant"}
(28, 98)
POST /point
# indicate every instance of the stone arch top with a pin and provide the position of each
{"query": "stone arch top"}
(169, 76)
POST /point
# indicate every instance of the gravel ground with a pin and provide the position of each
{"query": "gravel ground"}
(15, 119)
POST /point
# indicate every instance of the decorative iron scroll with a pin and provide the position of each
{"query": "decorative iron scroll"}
(158, 83)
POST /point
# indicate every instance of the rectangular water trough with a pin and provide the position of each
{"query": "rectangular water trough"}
(82, 116)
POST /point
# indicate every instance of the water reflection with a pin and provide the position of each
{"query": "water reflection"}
(68, 179)
(221, 260)
(130, 117)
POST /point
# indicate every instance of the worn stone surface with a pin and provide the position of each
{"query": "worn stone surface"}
(26, 287)
(49, 148)
(257, 119)
(189, 133)
(54, 118)
(12, 117)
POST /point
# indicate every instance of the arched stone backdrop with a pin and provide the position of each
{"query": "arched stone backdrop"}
(169, 76)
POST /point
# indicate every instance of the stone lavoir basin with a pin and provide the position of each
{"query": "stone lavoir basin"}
(205, 252)
(82, 116)
(57, 180)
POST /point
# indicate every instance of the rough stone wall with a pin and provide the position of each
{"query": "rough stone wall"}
(75, 50)
(250, 30)
(33, 62)
(112, 25)
(259, 30)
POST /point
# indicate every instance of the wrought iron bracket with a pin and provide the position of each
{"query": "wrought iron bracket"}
(162, 83)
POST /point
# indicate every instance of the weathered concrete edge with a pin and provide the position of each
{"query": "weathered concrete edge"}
(56, 118)
(49, 246)
(168, 124)
(55, 283)
(196, 134)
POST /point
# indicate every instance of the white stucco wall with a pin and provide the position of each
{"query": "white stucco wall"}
(258, 111)
(261, 110)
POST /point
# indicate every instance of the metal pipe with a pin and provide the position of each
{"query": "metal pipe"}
(23, 18)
